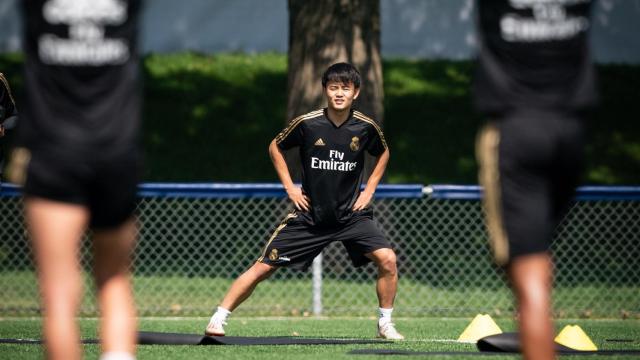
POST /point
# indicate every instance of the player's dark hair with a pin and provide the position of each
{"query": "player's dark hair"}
(343, 73)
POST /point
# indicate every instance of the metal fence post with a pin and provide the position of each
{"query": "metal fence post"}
(316, 269)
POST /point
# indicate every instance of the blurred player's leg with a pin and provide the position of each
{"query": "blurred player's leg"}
(112, 253)
(520, 200)
(531, 278)
(56, 229)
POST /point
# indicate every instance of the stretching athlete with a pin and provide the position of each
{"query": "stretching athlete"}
(329, 206)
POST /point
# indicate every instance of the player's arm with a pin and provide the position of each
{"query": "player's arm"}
(8, 124)
(8, 110)
(376, 175)
(295, 194)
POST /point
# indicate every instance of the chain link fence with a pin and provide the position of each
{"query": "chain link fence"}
(194, 240)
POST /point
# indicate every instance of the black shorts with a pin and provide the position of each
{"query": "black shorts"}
(295, 243)
(530, 164)
(105, 185)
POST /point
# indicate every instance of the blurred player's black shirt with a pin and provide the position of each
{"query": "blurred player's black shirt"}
(81, 76)
(534, 54)
(332, 161)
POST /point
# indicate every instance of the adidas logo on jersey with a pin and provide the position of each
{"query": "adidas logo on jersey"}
(319, 142)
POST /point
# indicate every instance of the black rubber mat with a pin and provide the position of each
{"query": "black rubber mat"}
(161, 338)
(509, 342)
(501, 344)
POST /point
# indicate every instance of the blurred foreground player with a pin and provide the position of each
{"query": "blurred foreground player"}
(78, 161)
(329, 206)
(534, 82)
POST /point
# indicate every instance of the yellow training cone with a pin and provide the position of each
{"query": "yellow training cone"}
(481, 326)
(572, 336)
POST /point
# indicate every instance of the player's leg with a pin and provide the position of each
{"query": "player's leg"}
(387, 282)
(386, 288)
(242, 288)
(514, 156)
(292, 244)
(244, 285)
(365, 242)
(531, 278)
(531, 275)
(55, 229)
(112, 255)
(112, 200)
(239, 291)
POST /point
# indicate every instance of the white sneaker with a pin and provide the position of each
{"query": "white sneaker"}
(388, 331)
(215, 328)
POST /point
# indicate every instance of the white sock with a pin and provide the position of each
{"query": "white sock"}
(221, 314)
(117, 355)
(385, 315)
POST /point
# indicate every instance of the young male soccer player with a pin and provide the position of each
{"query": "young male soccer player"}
(534, 81)
(78, 162)
(329, 206)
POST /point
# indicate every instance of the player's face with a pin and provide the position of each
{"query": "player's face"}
(340, 95)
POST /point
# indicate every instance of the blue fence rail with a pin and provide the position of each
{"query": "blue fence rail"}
(404, 191)
(583, 193)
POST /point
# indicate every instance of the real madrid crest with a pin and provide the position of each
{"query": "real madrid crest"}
(273, 255)
(355, 143)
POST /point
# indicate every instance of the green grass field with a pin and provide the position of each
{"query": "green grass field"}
(194, 296)
(423, 334)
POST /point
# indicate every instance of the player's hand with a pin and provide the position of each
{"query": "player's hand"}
(363, 201)
(1, 130)
(300, 200)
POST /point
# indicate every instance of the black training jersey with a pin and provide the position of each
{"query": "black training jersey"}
(81, 75)
(332, 161)
(534, 53)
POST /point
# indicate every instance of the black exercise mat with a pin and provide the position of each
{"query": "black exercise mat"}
(510, 343)
(162, 338)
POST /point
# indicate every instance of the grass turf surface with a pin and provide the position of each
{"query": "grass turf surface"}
(195, 296)
(423, 334)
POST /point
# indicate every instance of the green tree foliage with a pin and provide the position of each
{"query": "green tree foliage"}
(211, 118)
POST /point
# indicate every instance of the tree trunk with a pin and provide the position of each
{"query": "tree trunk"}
(324, 32)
